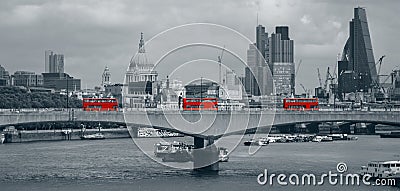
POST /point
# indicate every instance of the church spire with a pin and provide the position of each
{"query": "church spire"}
(141, 44)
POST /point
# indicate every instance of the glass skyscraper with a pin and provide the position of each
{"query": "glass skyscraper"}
(357, 70)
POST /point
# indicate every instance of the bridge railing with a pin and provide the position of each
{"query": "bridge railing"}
(39, 110)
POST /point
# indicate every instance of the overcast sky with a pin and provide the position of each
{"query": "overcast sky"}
(93, 34)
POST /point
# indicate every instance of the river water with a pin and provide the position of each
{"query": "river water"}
(118, 164)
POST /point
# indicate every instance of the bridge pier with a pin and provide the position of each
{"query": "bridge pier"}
(371, 129)
(345, 128)
(313, 128)
(287, 129)
(368, 129)
(205, 156)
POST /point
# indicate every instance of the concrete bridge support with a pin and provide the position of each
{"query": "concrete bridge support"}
(345, 128)
(205, 156)
(371, 129)
(313, 128)
(288, 129)
(366, 129)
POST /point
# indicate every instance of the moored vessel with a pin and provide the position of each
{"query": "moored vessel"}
(393, 134)
(95, 136)
(389, 170)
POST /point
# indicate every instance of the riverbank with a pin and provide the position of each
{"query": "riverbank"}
(61, 135)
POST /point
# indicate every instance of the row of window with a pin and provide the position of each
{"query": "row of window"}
(299, 100)
(100, 100)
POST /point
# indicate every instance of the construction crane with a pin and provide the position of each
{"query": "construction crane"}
(380, 64)
(220, 63)
(305, 90)
(298, 67)
(376, 83)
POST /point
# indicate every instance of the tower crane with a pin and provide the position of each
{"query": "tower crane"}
(380, 64)
(298, 67)
(220, 63)
(305, 90)
(376, 82)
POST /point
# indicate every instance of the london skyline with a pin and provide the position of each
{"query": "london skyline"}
(93, 36)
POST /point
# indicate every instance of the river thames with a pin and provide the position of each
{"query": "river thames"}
(118, 164)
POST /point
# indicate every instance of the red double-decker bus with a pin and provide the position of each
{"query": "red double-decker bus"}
(300, 104)
(197, 104)
(100, 104)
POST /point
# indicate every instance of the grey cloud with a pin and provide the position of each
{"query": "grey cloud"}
(96, 33)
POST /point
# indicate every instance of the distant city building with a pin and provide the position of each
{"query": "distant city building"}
(356, 69)
(54, 63)
(284, 78)
(262, 43)
(5, 79)
(258, 79)
(394, 88)
(114, 90)
(281, 47)
(169, 98)
(281, 50)
(61, 81)
(141, 80)
(106, 77)
(232, 89)
(27, 79)
(202, 89)
(268, 52)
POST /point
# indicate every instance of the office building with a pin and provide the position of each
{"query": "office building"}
(5, 79)
(54, 63)
(284, 78)
(61, 81)
(281, 47)
(356, 69)
(258, 78)
(262, 43)
(27, 79)
(281, 50)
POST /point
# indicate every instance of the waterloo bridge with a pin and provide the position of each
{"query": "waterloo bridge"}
(207, 126)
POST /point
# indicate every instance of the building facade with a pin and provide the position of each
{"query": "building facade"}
(258, 77)
(5, 79)
(106, 77)
(27, 79)
(114, 90)
(281, 50)
(357, 70)
(284, 78)
(141, 80)
(54, 63)
(281, 47)
(61, 81)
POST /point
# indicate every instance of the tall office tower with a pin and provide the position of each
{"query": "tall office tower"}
(356, 69)
(284, 78)
(262, 42)
(47, 54)
(258, 78)
(281, 48)
(54, 63)
(284, 31)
